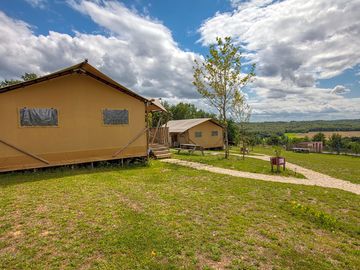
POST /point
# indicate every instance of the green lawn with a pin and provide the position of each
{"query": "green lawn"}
(340, 166)
(171, 217)
(291, 135)
(236, 163)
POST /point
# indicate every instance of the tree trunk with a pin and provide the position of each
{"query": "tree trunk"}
(243, 149)
(226, 140)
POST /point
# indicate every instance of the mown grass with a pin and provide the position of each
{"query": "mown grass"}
(339, 166)
(236, 163)
(172, 217)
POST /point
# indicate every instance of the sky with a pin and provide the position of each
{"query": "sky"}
(307, 52)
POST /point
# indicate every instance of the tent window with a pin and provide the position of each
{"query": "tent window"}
(115, 117)
(198, 134)
(36, 117)
(214, 133)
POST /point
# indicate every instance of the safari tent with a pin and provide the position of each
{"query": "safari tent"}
(75, 115)
(204, 132)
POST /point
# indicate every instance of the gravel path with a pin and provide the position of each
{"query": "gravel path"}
(314, 178)
(309, 174)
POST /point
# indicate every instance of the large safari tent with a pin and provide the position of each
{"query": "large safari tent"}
(75, 115)
(204, 132)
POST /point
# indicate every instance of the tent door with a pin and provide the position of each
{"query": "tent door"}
(174, 140)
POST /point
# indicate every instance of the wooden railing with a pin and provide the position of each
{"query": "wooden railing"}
(159, 135)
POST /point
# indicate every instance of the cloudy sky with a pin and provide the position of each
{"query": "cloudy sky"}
(307, 52)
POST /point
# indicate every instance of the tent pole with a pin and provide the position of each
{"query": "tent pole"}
(25, 152)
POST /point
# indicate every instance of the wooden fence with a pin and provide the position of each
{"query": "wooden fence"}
(159, 135)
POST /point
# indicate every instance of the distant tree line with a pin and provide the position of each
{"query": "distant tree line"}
(335, 143)
(25, 77)
(271, 128)
(186, 111)
(178, 112)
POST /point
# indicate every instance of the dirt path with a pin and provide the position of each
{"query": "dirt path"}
(309, 174)
(314, 178)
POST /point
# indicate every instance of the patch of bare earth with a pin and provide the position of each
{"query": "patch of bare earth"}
(91, 260)
(204, 261)
(133, 205)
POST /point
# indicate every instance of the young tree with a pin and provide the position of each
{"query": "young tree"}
(273, 140)
(241, 112)
(219, 79)
(335, 142)
(233, 132)
(320, 137)
(254, 140)
(355, 147)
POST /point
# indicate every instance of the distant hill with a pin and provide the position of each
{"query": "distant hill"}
(268, 128)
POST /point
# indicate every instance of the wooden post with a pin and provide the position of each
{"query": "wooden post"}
(156, 130)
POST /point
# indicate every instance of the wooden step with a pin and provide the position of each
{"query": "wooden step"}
(160, 151)
(158, 146)
(162, 156)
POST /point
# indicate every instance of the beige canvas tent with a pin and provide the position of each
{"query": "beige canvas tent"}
(71, 116)
(204, 132)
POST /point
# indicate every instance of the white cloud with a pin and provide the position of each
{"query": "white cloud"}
(37, 3)
(138, 51)
(294, 43)
(318, 36)
(340, 89)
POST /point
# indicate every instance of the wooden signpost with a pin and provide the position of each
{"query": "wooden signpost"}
(278, 161)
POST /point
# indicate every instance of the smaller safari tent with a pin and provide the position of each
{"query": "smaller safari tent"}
(204, 132)
(315, 147)
(75, 115)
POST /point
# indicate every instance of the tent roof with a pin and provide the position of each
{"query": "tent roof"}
(180, 126)
(81, 68)
(155, 105)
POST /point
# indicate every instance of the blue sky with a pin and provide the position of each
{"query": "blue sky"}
(308, 65)
(183, 18)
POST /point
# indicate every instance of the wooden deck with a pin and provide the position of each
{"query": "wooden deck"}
(159, 142)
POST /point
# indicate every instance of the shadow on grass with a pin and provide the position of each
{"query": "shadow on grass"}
(26, 176)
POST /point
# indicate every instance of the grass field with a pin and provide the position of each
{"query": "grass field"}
(236, 163)
(340, 166)
(326, 133)
(170, 217)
